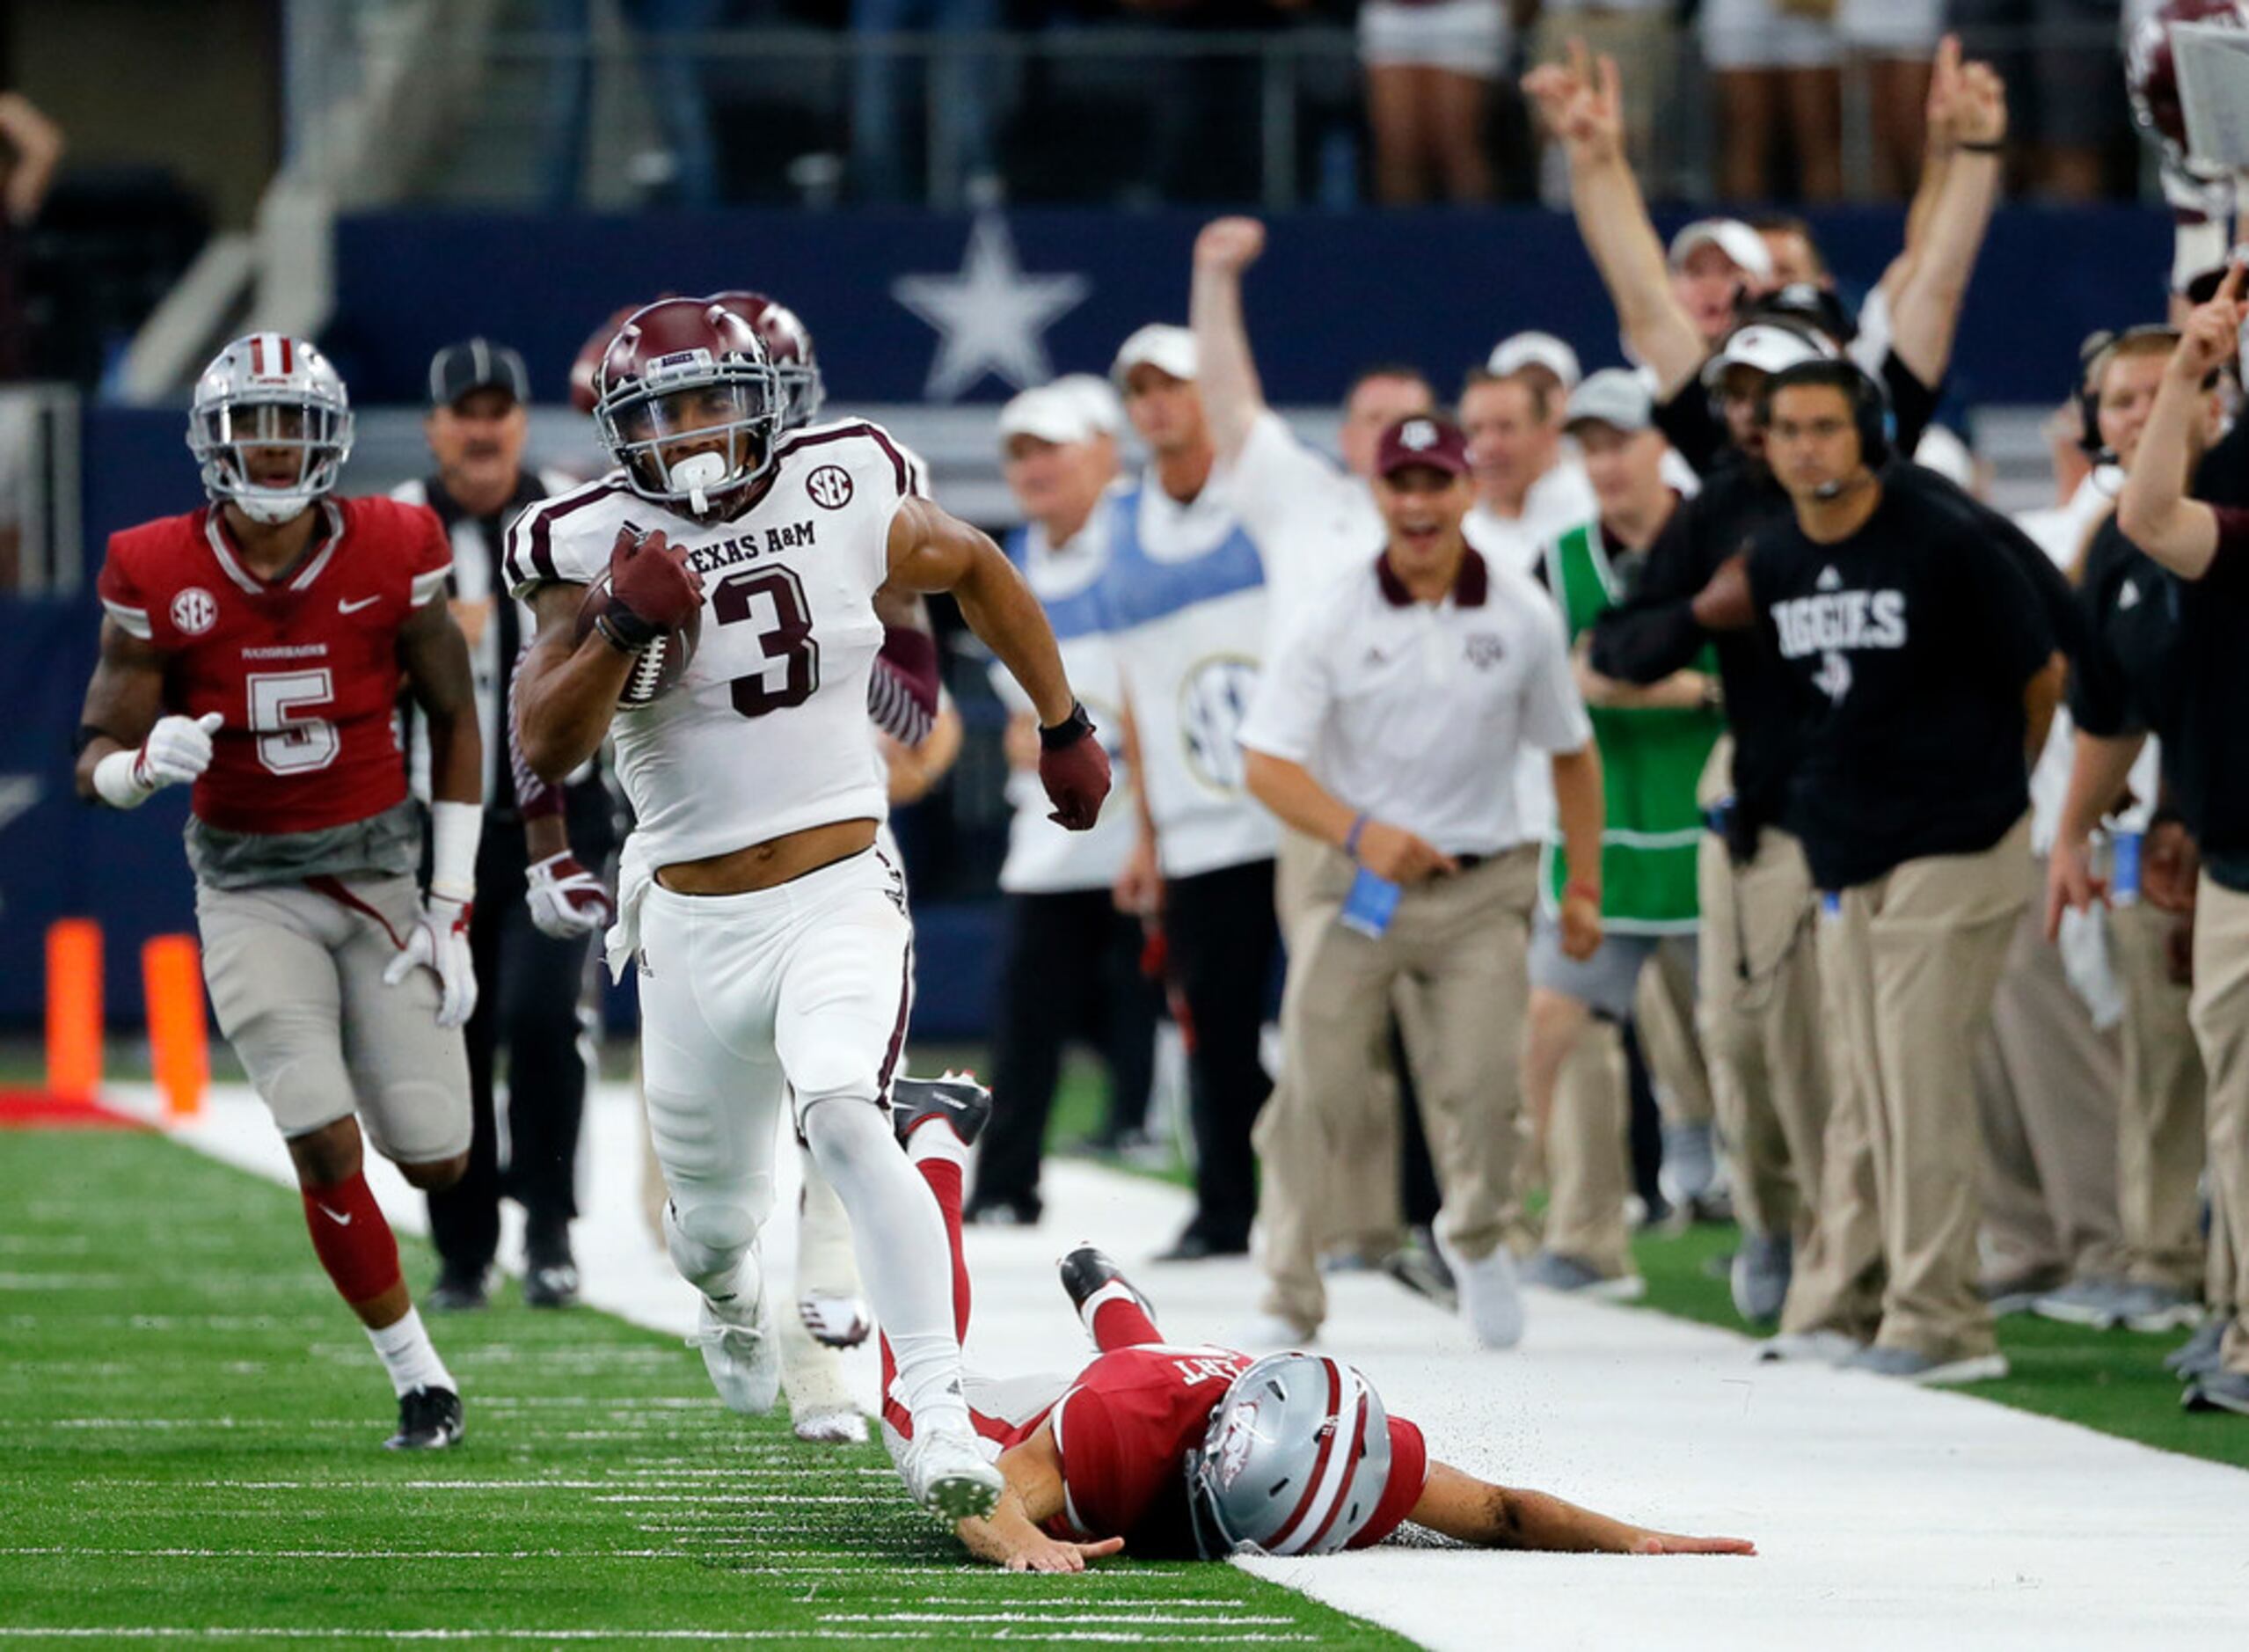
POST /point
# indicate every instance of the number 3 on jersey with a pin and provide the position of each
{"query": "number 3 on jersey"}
(289, 742)
(773, 599)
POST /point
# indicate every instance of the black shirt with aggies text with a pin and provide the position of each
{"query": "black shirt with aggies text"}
(1909, 645)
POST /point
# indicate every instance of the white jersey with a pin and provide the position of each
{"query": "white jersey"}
(1312, 522)
(1042, 858)
(1184, 599)
(767, 733)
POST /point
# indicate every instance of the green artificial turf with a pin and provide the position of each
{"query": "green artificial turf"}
(189, 1427)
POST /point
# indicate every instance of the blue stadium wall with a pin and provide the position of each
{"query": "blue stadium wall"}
(1334, 292)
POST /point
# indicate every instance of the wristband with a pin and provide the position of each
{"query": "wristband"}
(1982, 146)
(1351, 838)
(454, 829)
(1584, 887)
(117, 779)
(619, 625)
(1072, 728)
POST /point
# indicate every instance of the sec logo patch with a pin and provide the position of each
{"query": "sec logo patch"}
(830, 487)
(195, 611)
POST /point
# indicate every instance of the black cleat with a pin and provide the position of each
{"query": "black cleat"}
(955, 1097)
(1087, 1270)
(430, 1420)
(458, 1291)
(551, 1284)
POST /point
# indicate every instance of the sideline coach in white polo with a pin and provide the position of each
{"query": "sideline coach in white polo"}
(1386, 727)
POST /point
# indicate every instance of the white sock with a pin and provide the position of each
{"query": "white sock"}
(903, 1259)
(410, 1356)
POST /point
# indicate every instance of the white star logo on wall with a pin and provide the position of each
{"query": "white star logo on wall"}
(990, 318)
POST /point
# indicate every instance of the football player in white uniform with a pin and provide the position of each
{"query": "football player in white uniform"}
(770, 932)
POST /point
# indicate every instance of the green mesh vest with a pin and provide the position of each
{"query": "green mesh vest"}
(1651, 762)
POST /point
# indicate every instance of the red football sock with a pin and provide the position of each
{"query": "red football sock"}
(944, 1177)
(1120, 1322)
(353, 1242)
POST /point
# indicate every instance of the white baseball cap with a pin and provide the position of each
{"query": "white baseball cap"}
(1048, 414)
(1769, 347)
(1730, 236)
(1520, 350)
(1169, 349)
(1616, 396)
(1095, 398)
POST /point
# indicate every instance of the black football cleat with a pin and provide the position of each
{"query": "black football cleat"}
(458, 1291)
(430, 1420)
(551, 1284)
(955, 1097)
(1087, 1270)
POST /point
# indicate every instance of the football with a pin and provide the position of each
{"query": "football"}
(658, 668)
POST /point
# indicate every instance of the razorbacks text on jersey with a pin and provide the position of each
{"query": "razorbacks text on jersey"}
(788, 627)
(1124, 1427)
(303, 668)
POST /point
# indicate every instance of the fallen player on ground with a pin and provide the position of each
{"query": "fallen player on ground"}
(1187, 1454)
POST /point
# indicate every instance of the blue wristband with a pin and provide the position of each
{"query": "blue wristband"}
(1351, 838)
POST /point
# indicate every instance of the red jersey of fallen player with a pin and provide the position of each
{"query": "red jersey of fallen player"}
(303, 668)
(1124, 1426)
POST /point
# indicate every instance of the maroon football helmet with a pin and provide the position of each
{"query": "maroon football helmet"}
(789, 342)
(588, 364)
(686, 400)
(2152, 74)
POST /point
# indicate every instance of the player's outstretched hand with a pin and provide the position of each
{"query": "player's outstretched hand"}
(1669, 1543)
(567, 901)
(650, 579)
(1043, 1554)
(1074, 769)
(177, 751)
(440, 943)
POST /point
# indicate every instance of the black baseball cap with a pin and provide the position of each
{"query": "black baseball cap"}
(477, 364)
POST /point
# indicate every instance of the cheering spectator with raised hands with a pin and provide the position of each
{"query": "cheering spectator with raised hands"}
(2206, 548)
(1580, 100)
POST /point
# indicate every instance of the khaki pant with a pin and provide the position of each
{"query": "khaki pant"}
(1588, 1153)
(1455, 948)
(1663, 1015)
(1362, 1212)
(1760, 1018)
(2159, 1137)
(2220, 1012)
(1915, 957)
(2046, 1089)
(1589, 1160)
(297, 982)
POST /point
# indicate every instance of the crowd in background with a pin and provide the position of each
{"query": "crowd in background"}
(1812, 100)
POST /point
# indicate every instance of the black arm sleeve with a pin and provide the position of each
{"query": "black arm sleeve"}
(1648, 638)
(1912, 403)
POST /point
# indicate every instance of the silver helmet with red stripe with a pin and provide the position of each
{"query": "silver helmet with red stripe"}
(271, 424)
(1294, 1461)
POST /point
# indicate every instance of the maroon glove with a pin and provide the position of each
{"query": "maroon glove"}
(651, 589)
(1074, 769)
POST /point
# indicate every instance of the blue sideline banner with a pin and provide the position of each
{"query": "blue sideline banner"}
(912, 306)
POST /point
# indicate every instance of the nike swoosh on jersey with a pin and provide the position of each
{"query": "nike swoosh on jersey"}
(340, 1220)
(343, 607)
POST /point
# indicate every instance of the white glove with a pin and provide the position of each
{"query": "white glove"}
(176, 753)
(440, 941)
(567, 901)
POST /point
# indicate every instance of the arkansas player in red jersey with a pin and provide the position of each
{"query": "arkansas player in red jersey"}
(1186, 1454)
(254, 649)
